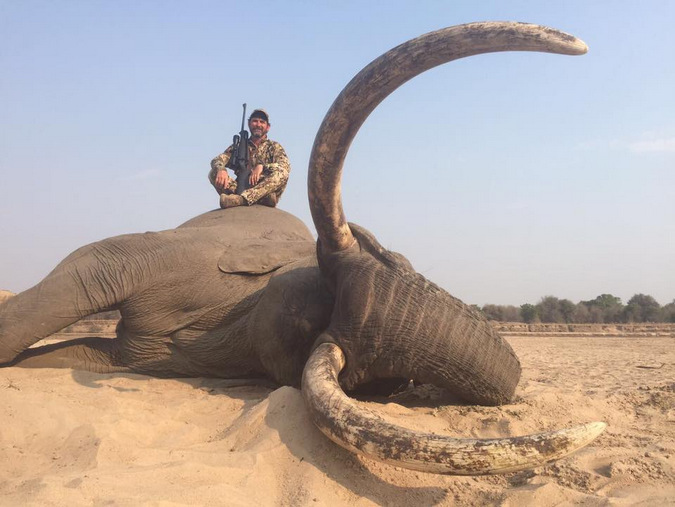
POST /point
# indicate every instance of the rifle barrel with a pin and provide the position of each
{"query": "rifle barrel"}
(243, 116)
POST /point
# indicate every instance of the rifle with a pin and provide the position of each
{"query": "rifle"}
(239, 157)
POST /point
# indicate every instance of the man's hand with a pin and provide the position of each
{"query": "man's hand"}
(255, 174)
(222, 180)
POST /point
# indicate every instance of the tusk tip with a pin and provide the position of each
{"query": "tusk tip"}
(564, 43)
(570, 45)
(595, 429)
(580, 47)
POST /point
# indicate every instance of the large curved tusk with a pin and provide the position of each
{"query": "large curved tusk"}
(380, 78)
(360, 430)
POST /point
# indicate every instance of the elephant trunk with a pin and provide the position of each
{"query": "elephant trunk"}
(393, 323)
(384, 75)
(453, 347)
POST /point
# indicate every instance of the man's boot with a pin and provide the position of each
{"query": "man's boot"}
(231, 200)
(270, 200)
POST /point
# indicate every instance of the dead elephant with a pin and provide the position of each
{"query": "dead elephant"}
(246, 292)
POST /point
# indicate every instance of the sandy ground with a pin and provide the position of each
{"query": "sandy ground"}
(76, 438)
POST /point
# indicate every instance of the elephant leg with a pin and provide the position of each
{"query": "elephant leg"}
(88, 281)
(99, 355)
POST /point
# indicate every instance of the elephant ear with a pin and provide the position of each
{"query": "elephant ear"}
(260, 256)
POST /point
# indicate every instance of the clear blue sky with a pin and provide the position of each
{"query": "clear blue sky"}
(503, 178)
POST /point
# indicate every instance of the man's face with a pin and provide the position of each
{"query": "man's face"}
(258, 127)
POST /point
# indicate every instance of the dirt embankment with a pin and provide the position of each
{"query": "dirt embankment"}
(644, 329)
(106, 328)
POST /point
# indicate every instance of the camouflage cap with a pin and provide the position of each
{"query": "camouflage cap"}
(260, 113)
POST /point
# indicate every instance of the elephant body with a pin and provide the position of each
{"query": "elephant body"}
(191, 300)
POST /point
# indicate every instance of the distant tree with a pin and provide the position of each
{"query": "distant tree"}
(548, 309)
(566, 308)
(607, 301)
(502, 313)
(492, 312)
(605, 308)
(582, 313)
(642, 308)
(511, 313)
(668, 312)
(598, 316)
(611, 307)
(528, 313)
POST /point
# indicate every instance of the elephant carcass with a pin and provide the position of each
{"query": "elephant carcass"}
(252, 302)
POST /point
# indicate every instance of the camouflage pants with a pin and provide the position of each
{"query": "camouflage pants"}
(267, 192)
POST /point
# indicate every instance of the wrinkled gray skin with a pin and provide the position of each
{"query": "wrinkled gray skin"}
(239, 292)
(182, 315)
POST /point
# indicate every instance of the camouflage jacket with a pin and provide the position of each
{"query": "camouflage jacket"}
(269, 153)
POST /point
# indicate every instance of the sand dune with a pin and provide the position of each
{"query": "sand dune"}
(77, 438)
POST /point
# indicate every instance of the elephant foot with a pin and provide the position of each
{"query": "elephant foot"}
(98, 355)
(7, 355)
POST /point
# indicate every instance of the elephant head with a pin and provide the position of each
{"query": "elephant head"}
(389, 321)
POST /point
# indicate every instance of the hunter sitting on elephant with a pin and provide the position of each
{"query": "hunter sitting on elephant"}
(246, 292)
(269, 163)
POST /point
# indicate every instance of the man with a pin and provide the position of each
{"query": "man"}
(269, 168)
